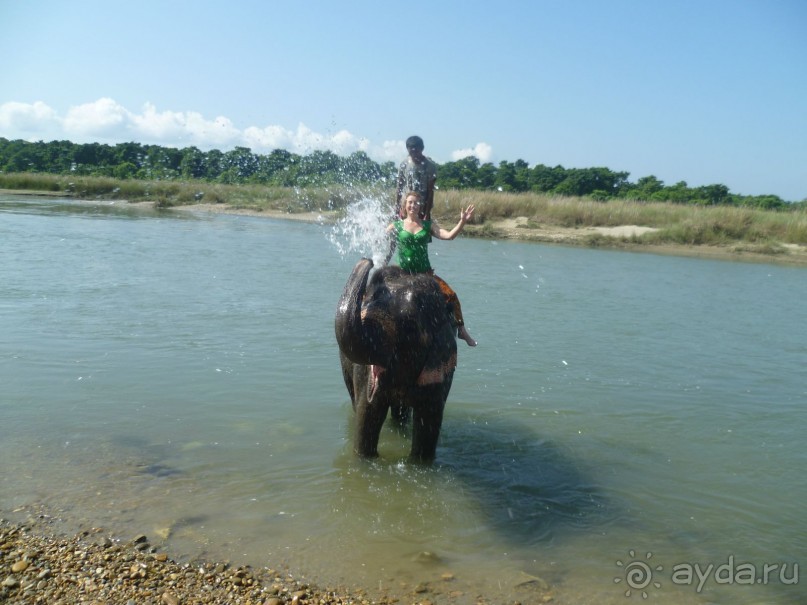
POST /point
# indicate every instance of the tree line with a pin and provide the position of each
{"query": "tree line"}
(322, 168)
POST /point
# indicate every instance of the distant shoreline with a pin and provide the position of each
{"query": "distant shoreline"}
(517, 229)
(514, 229)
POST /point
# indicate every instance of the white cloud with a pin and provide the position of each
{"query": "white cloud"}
(345, 143)
(27, 117)
(390, 150)
(105, 120)
(482, 151)
(166, 125)
(267, 138)
(303, 140)
(219, 132)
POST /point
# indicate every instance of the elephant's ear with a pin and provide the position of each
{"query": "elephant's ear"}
(441, 359)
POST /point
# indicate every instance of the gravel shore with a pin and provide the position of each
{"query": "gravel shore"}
(96, 569)
(42, 564)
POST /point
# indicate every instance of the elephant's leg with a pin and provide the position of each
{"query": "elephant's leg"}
(425, 431)
(369, 420)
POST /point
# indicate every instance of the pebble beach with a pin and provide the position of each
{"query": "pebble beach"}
(93, 567)
(43, 562)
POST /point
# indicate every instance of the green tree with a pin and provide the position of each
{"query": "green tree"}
(505, 177)
(586, 181)
(460, 174)
(241, 163)
(522, 174)
(125, 170)
(192, 164)
(543, 179)
(90, 156)
(20, 157)
(359, 168)
(714, 194)
(679, 193)
(214, 164)
(131, 152)
(644, 188)
(269, 165)
(59, 154)
(486, 176)
(280, 167)
(768, 202)
(319, 168)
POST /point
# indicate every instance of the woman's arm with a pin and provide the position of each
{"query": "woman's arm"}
(440, 233)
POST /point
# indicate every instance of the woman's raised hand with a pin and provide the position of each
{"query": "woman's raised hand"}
(465, 215)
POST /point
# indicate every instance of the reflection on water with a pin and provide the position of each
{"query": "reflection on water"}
(179, 378)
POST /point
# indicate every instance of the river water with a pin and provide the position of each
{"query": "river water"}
(176, 374)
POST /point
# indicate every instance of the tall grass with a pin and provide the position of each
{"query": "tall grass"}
(676, 223)
(163, 193)
(166, 194)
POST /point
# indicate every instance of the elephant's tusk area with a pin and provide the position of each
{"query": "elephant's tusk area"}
(372, 384)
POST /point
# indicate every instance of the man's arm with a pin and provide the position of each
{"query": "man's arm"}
(429, 199)
(393, 242)
(399, 191)
(428, 202)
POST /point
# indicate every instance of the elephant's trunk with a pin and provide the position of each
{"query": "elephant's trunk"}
(359, 339)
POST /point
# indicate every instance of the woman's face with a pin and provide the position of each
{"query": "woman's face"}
(412, 204)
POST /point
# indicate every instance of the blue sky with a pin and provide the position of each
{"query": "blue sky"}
(706, 91)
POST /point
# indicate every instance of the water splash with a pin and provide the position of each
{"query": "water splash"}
(362, 231)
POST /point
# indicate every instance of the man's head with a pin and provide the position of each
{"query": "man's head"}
(414, 146)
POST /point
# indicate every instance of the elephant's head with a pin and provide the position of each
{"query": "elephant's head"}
(398, 324)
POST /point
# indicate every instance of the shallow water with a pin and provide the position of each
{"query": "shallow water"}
(177, 375)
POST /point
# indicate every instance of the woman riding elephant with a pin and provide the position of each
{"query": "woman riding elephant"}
(412, 235)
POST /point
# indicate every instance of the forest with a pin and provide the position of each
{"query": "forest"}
(241, 166)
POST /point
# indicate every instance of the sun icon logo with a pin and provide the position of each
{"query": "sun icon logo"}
(638, 574)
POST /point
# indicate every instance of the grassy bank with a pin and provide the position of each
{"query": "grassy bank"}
(758, 230)
(168, 194)
(675, 223)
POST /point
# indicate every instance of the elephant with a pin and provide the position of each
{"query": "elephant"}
(398, 350)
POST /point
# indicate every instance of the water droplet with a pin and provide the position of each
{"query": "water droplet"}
(362, 231)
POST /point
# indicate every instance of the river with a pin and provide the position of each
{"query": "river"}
(627, 422)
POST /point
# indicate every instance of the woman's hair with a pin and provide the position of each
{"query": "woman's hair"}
(416, 194)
